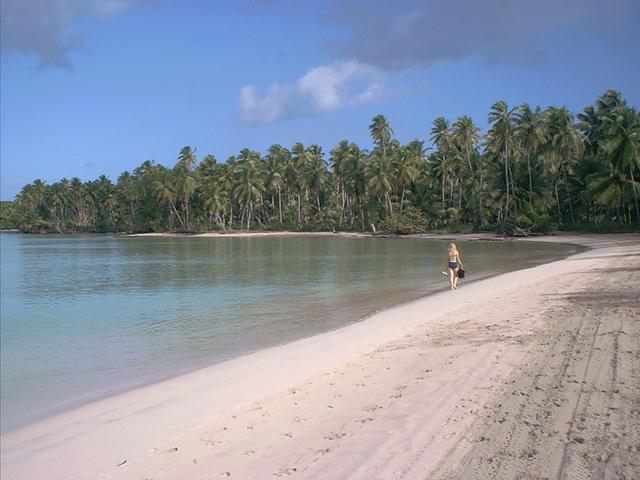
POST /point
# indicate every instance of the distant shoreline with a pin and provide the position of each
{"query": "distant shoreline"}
(555, 237)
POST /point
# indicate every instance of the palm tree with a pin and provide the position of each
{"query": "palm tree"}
(590, 125)
(353, 172)
(529, 135)
(406, 165)
(609, 101)
(622, 144)
(381, 173)
(315, 173)
(442, 138)
(56, 201)
(185, 183)
(30, 206)
(129, 195)
(165, 194)
(275, 165)
(249, 183)
(215, 201)
(79, 199)
(295, 175)
(468, 136)
(226, 181)
(381, 132)
(564, 144)
(338, 160)
(187, 158)
(500, 140)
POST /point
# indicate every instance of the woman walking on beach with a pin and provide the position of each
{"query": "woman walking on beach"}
(455, 264)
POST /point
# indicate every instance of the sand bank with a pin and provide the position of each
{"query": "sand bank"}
(535, 372)
(253, 234)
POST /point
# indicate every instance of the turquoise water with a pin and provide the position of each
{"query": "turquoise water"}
(83, 317)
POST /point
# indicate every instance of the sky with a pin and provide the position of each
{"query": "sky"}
(93, 87)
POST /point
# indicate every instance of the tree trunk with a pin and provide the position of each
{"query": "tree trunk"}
(635, 196)
(513, 192)
(476, 188)
(566, 186)
(342, 198)
(483, 221)
(555, 188)
(175, 211)
(444, 176)
(506, 179)
(530, 182)
(387, 203)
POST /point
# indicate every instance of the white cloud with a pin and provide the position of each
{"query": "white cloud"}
(266, 109)
(322, 89)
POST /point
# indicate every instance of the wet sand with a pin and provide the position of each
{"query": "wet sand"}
(529, 374)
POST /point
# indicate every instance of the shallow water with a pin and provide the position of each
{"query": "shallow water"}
(83, 317)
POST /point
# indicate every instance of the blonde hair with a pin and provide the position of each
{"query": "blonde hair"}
(452, 247)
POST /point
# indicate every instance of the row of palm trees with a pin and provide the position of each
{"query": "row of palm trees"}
(534, 169)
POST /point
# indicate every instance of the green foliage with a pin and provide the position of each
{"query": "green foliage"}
(8, 218)
(411, 220)
(534, 171)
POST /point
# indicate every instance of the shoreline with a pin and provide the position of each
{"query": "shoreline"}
(200, 392)
(75, 404)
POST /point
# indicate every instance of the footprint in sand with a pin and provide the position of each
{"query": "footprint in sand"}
(285, 471)
(365, 420)
(371, 408)
(211, 442)
(399, 389)
(335, 436)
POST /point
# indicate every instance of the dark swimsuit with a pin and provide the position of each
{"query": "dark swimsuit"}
(453, 265)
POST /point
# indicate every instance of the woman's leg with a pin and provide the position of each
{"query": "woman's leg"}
(452, 276)
(455, 278)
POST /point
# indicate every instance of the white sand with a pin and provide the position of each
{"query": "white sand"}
(253, 234)
(415, 391)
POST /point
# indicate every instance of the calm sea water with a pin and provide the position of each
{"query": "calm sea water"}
(83, 317)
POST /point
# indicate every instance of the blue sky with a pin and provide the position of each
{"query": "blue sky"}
(91, 87)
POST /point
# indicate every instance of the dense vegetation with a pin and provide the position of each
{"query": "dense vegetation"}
(534, 170)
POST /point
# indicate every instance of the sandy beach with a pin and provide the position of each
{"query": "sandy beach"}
(530, 374)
